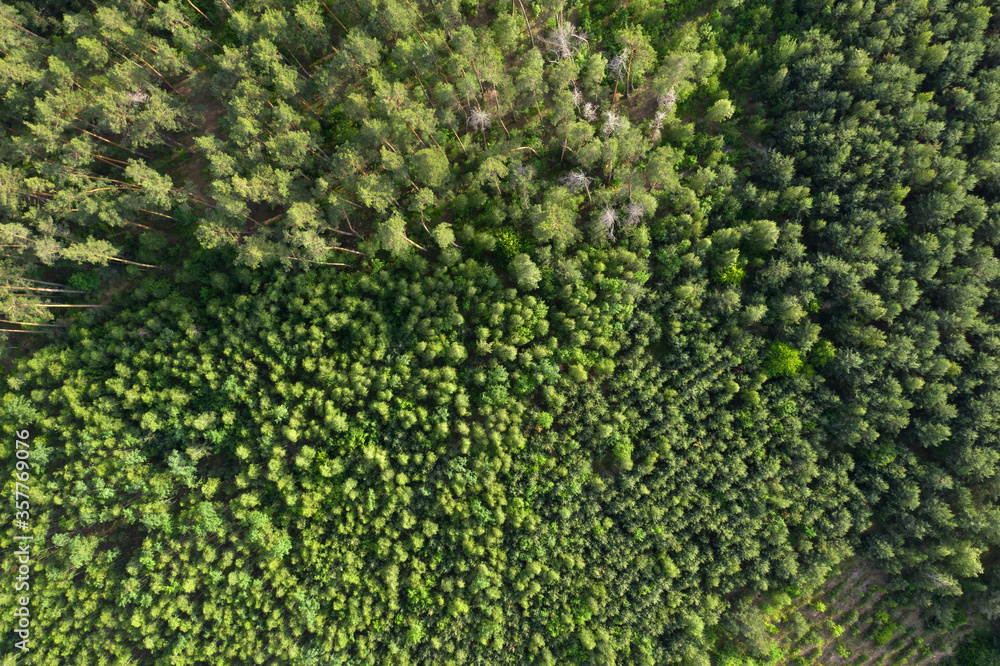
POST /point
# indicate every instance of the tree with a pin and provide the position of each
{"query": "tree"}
(444, 235)
(479, 121)
(565, 41)
(555, 218)
(392, 233)
(530, 81)
(638, 54)
(722, 110)
(762, 236)
(783, 360)
(576, 180)
(430, 167)
(594, 72)
(526, 272)
(359, 51)
(607, 220)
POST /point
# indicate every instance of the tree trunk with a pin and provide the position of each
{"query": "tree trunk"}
(460, 141)
(526, 23)
(61, 291)
(420, 247)
(28, 323)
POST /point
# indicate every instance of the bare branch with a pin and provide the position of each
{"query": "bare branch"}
(612, 123)
(667, 99)
(479, 120)
(576, 180)
(658, 124)
(634, 213)
(608, 219)
(618, 65)
(565, 41)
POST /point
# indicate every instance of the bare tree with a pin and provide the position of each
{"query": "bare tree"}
(667, 99)
(577, 180)
(565, 41)
(618, 65)
(658, 124)
(479, 121)
(634, 213)
(607, 219)
(491, 96)
(138, 97)
(612, 123)
(589, 113)
(521, 175)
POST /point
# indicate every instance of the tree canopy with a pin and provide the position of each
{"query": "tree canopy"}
(458, 333)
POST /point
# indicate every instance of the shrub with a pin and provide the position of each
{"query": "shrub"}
(884, 633)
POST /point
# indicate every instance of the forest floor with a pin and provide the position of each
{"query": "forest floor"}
(851, 621)
(193, 171)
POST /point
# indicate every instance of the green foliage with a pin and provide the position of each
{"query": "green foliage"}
(456, 333)
(510, 243)
(732, 275)
(85, 280)
(721, 110)
(783, 360)
(981, 650)
(430, 167)
(392, 233)
(884, 633)
(525, 272)
(822, 353)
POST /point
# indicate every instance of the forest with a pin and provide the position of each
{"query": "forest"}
(371, 332)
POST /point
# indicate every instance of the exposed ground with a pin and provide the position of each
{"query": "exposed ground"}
(852, 621)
